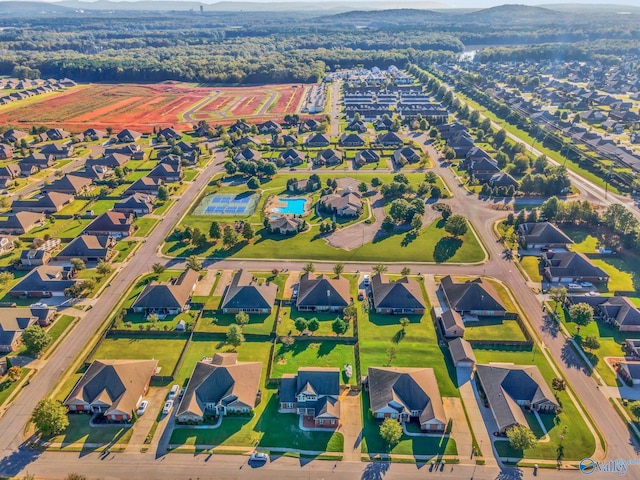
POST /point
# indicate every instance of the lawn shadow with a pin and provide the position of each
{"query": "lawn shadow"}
(409, 238)
(382, 320)
(325, 348)
(446, 248)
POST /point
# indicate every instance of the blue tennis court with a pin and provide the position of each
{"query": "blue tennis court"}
(242, 204)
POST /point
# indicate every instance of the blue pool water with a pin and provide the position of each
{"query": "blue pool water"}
(293, 206)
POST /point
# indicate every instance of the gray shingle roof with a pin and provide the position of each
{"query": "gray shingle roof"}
(245, 292)
(318, 290)
(158, 295)
(543, 232)
(403, 293)
(472, 295)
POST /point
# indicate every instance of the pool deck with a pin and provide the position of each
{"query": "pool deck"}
(276, 203)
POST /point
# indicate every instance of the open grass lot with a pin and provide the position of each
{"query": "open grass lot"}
(432, 244)
(327, 353)
(7, 387)
(266, 428)
(145, 225)
(578, 444)
(530, 265)
(79, 432)
(372, 443)
(494, 328)
(610, 342)
(165, 350)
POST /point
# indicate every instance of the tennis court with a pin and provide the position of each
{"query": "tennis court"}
(242, 204)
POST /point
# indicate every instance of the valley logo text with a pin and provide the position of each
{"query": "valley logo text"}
(589, 466)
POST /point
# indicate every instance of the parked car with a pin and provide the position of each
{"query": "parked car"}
(168, 405)
(259, 457)
(366, 280)
(586, 284)
(174, 391)
(181, 394)
(361, 295)
(573, 286)
(142, 408)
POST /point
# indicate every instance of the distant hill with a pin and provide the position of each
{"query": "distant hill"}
(404, 16)
(591, 8)
(32, 8)
(514, 14)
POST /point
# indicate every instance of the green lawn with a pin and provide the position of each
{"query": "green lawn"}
(80, 432)
(139, 346)
(266, 428)
(124, 247)
(432, 244)
(288, 316)
(313, 354)
(7, 387)
(198, 349)
(372, 443)
(259, 324)
(76, 206)
(579, 442)
(530, 265)
(102, 206)
(611, 341)
(59, 326)
(137, 321)
(145, 225)
(494, 328)
(190, 174)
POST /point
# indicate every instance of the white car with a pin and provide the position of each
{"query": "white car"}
(174, 391)
(586, 284)
(573, 286)
(259, 457)
(143, 407)
(366, 280)
(167, 407)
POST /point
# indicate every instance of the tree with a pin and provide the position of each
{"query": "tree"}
(300, 324)
(379, 268)
(5, 278)
(405, 271)
(158, 268)
(229, 237)
(591, 342)
(499, 138)
(235, 336)
(398, 210)
(388, 224)
(242, 318)
(581, 313)
(253, 183)
(550, 208)
(391, 432)
(521, 437)
(404, 322)
(35, 339)
(436, 192)
(247, 231)
(416, 222)
(558, 384)
(287, 341)
(163, 193)
(194, 263)
(50, 417)
(313, 325)
(14, 373)
(104, 268)
(558, 294)
(339, 326)
(392, 353)
(456, 225)
(153, 319)
(350, 311)
(635, 409)
(78, 264)
(363, 188)
(309, 267)
(215, 231)
(338, 268)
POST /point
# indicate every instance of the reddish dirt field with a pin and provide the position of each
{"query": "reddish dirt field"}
(143, 107)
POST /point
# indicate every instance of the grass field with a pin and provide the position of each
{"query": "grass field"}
(327, 353)
(493, 328)
(530, 265)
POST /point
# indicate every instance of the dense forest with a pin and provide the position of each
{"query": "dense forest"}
(272, 47)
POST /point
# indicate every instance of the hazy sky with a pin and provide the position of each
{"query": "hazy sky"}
(425, 4)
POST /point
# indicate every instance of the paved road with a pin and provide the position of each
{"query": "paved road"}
(13, 421)
(334, 111)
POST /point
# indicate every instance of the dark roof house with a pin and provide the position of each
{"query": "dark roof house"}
(248, 294)
(402, 297)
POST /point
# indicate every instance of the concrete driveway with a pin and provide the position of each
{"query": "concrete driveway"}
(351, 420)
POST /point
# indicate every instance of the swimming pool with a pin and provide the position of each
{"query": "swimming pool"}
(292, 206)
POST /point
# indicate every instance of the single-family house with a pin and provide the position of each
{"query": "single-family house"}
(248, 154)
(113, 388)
(128, 136)
(285, 225)
(474, 297)
(563, 267)
(248, 294)
(344, 204)
(13, 136)
(20, 223)
(169, 133)
(240, 126)
(351, 140)
(533, 236)
(110, 160)
(407, 394)
(138, 204)
(292, 157)
(366, 156)
(322, 293)
(44, 281)
(111, 224)
(69, 184)
(146, 185)
(49, 202)
(401, 297)
(90, 248)
(317, 140)
(93, 134)
(405, 155)
(57, 150)
(630, 371)
(219, 386)
(166, 172)
(389, 139)
(13, 321)
(34, 257)
(167, 298)
(461, 353)
(328, 157)
(54, 134)
(38, 160)
(510, 388)
(451, 323)
(6, 151)
(313, 393)
(269, 127)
